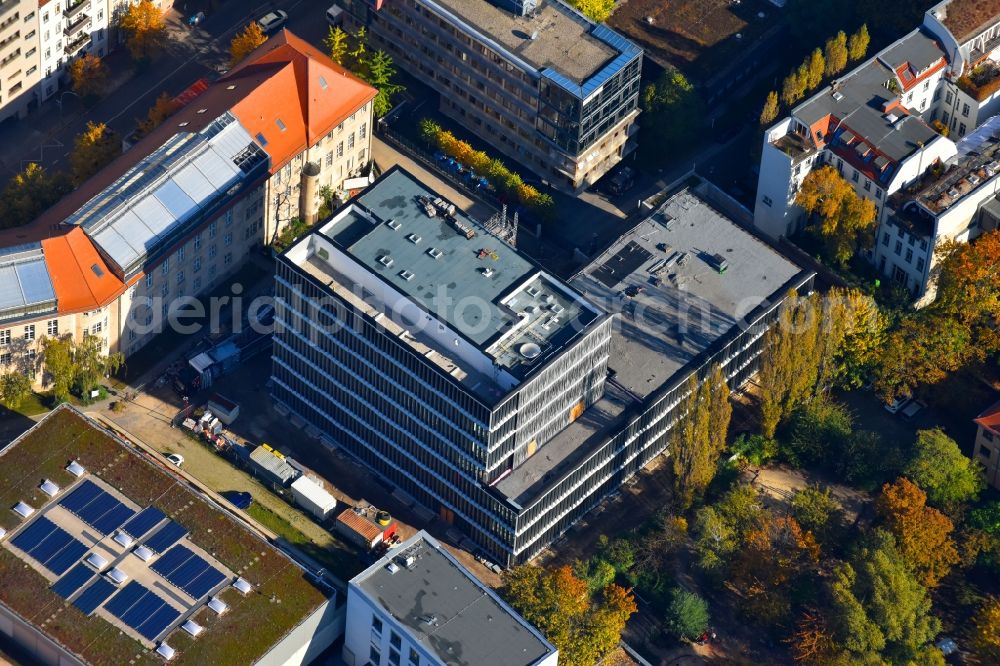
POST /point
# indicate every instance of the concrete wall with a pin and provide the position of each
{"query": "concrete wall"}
(41, 648)
(306, 641)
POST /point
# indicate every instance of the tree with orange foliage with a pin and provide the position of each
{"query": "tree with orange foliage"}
(560, 605)
(88, 75)
(923, 534)
(968, 288)
(245, 42)
(813, 640)
(144, 28)
(846, 220)
(162, 109)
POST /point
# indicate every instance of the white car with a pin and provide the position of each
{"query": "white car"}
(176, 459)
(272, 21)
(896, 405)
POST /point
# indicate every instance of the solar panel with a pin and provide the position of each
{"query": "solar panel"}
(99, 506)
(168, 535)
(94, 596)
(81, 496)
(125, 599)
(157, 622)
(66, 558)
(142, 609)
(66, 586)
(204, 583)
(144, 521)
(50, 545)
(188, 571)
(34, 534)
(113, 519)
(170, 560)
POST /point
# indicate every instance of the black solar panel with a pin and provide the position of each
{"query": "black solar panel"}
(144, 521)
(204, 583)
(57, 539)
(97, 507)
(125, 599)
(50, 545)
(142, 610)
(157, 622)
(66, 586)
(34, 534)
(167, 536)
(81, 496)
(66, 558)
(113, 519)
(171, 560)
(94, 596)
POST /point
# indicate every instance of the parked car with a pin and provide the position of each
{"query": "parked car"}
(176, 459)
(896, 405)
(912, 409)
(241, 500)
(622, 181)
(272, 21)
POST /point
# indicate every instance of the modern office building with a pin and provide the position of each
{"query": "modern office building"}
(538, 80)
(108, 558)
(490, 391)
(183, 208)
(418, 606)
(874, 125)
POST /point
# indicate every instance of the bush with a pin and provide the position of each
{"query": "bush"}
(816, 432)
(687, 615)
(619, 553)
(756, 449)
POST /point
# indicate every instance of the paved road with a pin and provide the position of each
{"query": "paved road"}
(46, 135)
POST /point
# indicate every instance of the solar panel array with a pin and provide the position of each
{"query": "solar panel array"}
(142, 610)
(143, 521)
(50, 545)
(188, 571)
(167, 536)
(94, 596)
(97, 508)
(67, 586)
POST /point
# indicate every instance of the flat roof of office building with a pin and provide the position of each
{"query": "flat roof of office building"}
(673, 305)
(452, 272)
(447, 610)
(553, 35)
(58, 562)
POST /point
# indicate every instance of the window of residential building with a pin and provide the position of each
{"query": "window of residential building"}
(211, 252)
(196, 284)
(163, 289)
(96, 328)
(965, 110)
(53, 327)
(393, 658)
(329, 158)
(229, 217)
(197, 242)
(909, 255)
(29, 332)
(45, 17)
(149, 280)
(885, 239)
(362, 132)
(5, 337)
(180, 277)
(6, 358)
(868, 185)
(180, 253)
(196, 264)
(211, 230)
(165, 266)
(350, 141)
(899, 231)
(394, 639)
(899, 247)
(961, 129)
(340, 149)
(927, 84)
(854, 176)
(414, 658)
(767, 201)
(920, 264)
(948, 98)
(228, 259)
(227, 239)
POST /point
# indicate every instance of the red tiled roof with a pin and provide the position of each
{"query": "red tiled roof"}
(361, 525)
(990, 419)
(81, 279)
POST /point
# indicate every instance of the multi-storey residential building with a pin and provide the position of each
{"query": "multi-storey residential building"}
(184, 207)
(987, 448)
(19, 57)
(475, 382)
(539, 81)
(874, 126)
(419, 606)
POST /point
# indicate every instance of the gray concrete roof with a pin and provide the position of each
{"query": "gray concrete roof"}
(448, 611)
(563, 41)
(919, 49)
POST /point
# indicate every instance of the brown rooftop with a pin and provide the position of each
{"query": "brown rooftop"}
(965, 18)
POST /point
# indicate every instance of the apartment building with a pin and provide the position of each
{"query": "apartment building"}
(419, 606)
(183, 208)
(502, 399)
(987, 448)
(874, 126)
(19, 57)
(539, 81)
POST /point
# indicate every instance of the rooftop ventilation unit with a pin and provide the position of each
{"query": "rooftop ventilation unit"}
(143, 553)
(436, 253)
(385, 260)
(407, 559)
(193, 628)
(218, 605)
(555, 307)
(243, 586)
(532, 291)
(486, 271)
(406, 275)
(974, 179)
(97, 561)
(23, 509)
(530, 350)
(837, 95)
(392, 567)
(117, 576)
(393, 224)
(49, 488)
(75, 468)
(413, 238)
(123, 540)
(165, 651)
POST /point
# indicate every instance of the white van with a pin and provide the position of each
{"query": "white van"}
(335, 16)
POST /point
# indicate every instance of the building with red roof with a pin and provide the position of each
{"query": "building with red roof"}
(987, 449)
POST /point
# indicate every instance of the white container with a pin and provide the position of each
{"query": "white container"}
(313, 497)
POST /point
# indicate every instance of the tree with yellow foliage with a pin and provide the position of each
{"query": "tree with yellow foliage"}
(29, 193)
(846, 220)
(245, 42)
(144, 27)
(93, 149)
(162, 109)
(596, 10)
(88, 76)
(987, 633)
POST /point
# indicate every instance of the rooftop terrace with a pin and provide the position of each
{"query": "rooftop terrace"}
(447, 610)
(444, 284)
(967, 18)
(129, 482)
(552, 36)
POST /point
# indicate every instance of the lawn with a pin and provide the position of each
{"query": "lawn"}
(340, 560)
(282, 596)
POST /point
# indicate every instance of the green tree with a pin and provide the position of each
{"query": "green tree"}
(15, 387)
(687, 615)
(336, 42)
(923, 534)
(817, 511)
(381, 74)
(244, 42)
(60, 369)
(816, 66)
(597, 573)
(942, 471)
(92, 363)
(620, 553)
(699, 437)
(360, 51)
(817, 431)
(879, 612)
(29, 193)
(836, 54)
(598, 11)
(93, 150)
(770, 109)
(674, 114)
(582, 626)
(857, 45)
(144, 28)
(921, 350)
(721, 528)
(430, 132)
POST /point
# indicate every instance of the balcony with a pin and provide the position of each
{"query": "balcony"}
(75, 8)
(7, 6)
(75, 45)
(73, 28)
(10, 58)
